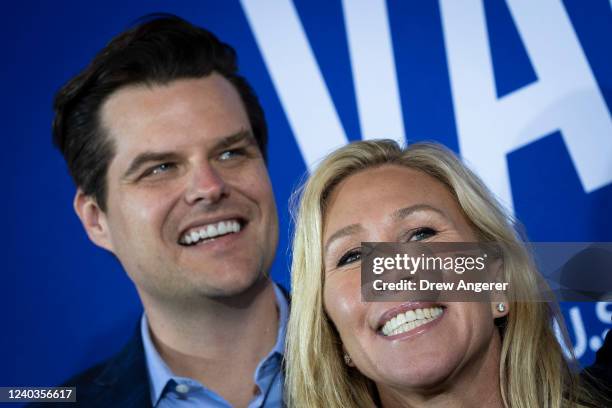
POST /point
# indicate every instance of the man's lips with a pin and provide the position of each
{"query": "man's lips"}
(207, 229)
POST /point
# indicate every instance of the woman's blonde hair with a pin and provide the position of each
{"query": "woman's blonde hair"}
(533, 371)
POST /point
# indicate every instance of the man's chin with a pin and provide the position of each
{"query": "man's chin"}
(243, 290)
(190, 287)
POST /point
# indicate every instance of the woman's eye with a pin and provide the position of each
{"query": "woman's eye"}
(350, 257)
(422, 233)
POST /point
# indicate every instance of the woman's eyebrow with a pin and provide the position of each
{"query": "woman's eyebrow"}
(407, 211)
(342, 232)
(397, 215)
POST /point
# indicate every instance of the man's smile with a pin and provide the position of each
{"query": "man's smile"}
(204, 232)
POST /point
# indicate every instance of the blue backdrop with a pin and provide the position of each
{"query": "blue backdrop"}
(521, 89)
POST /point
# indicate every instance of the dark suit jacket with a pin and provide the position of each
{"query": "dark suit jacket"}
(120, 382)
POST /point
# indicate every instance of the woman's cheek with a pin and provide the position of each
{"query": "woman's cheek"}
(342, 298)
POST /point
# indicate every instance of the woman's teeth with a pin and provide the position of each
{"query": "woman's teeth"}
(410, 320)
(210, 231)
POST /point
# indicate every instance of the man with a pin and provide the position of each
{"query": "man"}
(167, 146)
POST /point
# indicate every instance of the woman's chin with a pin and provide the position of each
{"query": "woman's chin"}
(422, 377)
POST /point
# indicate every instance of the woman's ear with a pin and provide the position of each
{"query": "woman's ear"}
(500, 309)
(501, 305)
(93, 219)
(347, 358)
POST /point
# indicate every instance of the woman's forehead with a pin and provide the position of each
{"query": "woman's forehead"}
(383, 190)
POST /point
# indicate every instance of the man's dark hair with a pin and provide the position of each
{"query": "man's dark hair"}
(157, 51)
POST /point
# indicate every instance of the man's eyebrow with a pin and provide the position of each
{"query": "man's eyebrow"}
(148, 157)
(243, 135)
(407, 211)
(342, 232)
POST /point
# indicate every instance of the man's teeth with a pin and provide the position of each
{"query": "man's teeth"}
(410, 320)
(210, 231)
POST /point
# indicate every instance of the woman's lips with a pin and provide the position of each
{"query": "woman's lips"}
(408, 316)
(407, 321)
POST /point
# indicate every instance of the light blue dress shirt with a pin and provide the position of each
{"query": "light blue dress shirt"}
(169, 390)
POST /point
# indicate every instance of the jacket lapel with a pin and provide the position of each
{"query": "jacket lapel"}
(124, 381)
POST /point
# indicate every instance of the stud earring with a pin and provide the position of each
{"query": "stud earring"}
(347, 359)
(501, 308)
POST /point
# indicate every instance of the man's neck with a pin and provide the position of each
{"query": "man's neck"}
(218, 343)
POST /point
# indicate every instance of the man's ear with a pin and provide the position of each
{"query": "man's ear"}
(93, 219)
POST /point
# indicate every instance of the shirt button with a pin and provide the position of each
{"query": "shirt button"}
(182, 389)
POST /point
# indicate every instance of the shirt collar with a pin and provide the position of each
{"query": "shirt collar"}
(283, 318)
(160, 374)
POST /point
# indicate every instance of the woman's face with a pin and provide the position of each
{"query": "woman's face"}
(365, 207)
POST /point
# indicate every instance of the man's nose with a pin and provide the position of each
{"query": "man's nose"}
(206, 185)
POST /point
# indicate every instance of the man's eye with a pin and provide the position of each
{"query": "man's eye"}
(421, 234)
(159, 169)
(230, 154)
(351, 256)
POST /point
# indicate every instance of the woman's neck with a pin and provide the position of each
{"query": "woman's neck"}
(476, 384)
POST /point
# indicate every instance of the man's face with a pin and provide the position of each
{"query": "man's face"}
(186, 169)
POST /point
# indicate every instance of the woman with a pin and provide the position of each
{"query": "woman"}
(500, 354)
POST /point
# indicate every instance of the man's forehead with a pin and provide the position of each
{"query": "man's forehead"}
(207, 108)
(137, 102)
(134, 106)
